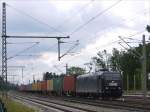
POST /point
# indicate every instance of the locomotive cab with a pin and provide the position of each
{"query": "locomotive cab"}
(112, 84)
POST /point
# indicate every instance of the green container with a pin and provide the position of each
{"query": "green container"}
(58, 84)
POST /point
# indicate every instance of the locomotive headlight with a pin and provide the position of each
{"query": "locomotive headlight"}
(119, 87)
(106, 88)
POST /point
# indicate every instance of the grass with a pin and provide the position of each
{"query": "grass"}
(13, 106)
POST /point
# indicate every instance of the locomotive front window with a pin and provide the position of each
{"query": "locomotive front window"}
(112, 76)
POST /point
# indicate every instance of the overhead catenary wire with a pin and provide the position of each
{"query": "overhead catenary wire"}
(136, 53)
(77, 13)
(108, 44)
(22, 51)
(55, 66)
(35, 19)
(69, 50)
(30, 55)
(93, 18)
(124, 20)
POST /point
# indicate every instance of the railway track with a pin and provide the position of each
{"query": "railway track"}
(127, 104)
(52, 105)
(130, 106)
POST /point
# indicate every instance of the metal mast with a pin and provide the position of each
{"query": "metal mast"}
(4, 44)
(144, 79)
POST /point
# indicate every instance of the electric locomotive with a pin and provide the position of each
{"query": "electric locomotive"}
(99, 84)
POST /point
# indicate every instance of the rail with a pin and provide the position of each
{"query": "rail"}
(58, 106)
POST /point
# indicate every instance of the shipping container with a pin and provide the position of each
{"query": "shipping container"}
(58, 84)
(39, 86)
(34, 87)
(44, 85)
(50, 85)
(69, 84)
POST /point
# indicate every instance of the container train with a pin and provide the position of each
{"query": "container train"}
(99, 84)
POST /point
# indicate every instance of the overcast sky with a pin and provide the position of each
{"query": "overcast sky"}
(100, 27)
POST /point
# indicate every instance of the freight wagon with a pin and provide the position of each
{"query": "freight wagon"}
(34, 87)
(38, 86)
(58, 86)
(69, 85)
(98, 84)
(49, 85)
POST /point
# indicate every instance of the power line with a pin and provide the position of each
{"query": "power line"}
(69, 50)
(29, 55)
(108, 44)
(22, 51)
(77, 13)
(93, 18)
(124, 20)
(135, 53)
(35, 19)
(57, 68)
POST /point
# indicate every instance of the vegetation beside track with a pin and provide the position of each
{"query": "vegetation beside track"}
(13, 106)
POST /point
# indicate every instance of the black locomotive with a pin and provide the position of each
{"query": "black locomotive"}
(99, 84)
(103, 84)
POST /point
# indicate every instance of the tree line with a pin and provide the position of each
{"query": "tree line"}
(126, 62)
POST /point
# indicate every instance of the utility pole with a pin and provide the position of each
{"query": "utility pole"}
(58, 48)
(22, 74)
(127, 83)
(66, 68)
(13, 77)
(4, 42)
(144, 78)
(33, 79)
(22, 68)
(143, 63)
(134, 83)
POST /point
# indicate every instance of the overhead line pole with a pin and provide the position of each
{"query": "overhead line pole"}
(58, 48)
(4, 42)
(143, 63)
(144, 79)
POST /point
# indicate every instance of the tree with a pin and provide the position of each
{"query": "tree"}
(49, 75)
(114, 60)
(102, 60)
(76, 71)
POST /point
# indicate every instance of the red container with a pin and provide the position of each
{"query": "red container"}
(44, 85)
(69, 83)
